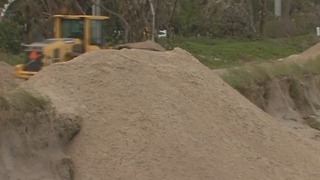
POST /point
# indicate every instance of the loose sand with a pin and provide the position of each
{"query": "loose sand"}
(164, 115)
(7, 80)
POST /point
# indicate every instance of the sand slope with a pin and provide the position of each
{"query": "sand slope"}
(163, 115)
(7, 80)
(309, 54)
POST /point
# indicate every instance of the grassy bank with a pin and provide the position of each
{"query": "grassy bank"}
(242, 78)
(21, 100)
(226, 53)
(20, 106)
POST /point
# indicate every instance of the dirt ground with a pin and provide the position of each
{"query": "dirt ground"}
(164, 115)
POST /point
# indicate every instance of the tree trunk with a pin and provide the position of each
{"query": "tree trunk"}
(286, 16)
(79, 8)
(169, 27)
(249, 7)
(153, 20)
(126, 25)
(287, 5)
(263, 13)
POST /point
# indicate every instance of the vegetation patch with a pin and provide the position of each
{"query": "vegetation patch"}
(20, 104)
(241, 78)
(231, 52)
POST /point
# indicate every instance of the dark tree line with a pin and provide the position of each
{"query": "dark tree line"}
(136, 20)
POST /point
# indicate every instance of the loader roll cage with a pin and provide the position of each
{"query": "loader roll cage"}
(87, 28)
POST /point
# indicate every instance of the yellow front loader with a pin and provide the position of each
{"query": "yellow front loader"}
(73, 36)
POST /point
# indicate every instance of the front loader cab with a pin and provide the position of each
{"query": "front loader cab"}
(72, 28)
(88, 29)
(73, 36)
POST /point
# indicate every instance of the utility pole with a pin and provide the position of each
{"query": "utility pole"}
(96, 9)
(277, 8)
(96, 25)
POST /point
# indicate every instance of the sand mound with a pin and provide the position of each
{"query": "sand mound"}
(309, 54)
(163, 115)
(7, 80)
(146, 45)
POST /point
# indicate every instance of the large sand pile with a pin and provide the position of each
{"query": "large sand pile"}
(163, 115)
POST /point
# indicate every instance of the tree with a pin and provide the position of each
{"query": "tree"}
(124, 22)
(137, 20)
(10, 37)
(166, 12)
(188, 19)
(249, 8)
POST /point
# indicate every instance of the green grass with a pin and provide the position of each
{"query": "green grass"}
(226, 53)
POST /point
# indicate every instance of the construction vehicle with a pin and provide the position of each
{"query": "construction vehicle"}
(73, 36)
